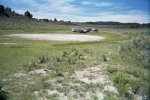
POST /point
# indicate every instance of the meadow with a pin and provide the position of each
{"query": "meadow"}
(40, 69)
(124, 53)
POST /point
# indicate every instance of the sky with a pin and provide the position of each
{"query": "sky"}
(84, 10)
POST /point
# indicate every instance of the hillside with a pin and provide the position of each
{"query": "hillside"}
(11, 20)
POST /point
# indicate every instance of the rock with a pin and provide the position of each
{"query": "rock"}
(111, 88)
(41, 72)
(100, 95)
(84, 57)
(20, 74)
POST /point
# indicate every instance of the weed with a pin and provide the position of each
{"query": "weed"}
(65, 54)
(59, 72)
(145, 88)
(59, 59)
(72, 60)
(31, 66)
(104, 58)
(111, 96)
(95, 98)
(43, 59)
(111, 69)
(50, 66)
(120, 82)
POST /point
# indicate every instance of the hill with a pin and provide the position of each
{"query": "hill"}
(11, 20)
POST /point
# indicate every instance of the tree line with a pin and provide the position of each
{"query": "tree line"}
(7, 12)
(120, 25)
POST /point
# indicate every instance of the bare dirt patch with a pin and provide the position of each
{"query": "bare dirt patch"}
(58, 37)
(8, 43)
(82, 85)
(96, 75)
(86, 84)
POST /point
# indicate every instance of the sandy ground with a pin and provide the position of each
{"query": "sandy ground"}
(74, 86)
(8, 43)
(58, 37)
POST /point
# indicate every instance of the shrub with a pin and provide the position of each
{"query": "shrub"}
(55, 19)
(65, 54)
(59, 59)
(104, 58)
(122, 89)
(59, 72)
(72, 56)
(145, 88)
(43, 59)
(111, 96)
(31, 66)
(72, 60)
(111, 69)
(120, 82)
(28, 14)
(2, 9)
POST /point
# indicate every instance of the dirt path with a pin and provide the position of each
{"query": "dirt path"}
(58, 37)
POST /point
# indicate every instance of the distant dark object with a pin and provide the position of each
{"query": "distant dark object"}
(84, 30)
(62, 21)
(89, 30)
(8, 9)
(46, 20)
(74, 30)
(2, 9)
(94, 30)
(55, 20)
(28, 14)
(78, 30)
(13, 12)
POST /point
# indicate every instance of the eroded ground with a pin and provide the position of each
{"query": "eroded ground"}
(87, 84)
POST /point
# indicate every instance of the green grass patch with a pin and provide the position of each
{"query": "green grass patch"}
(127, 61)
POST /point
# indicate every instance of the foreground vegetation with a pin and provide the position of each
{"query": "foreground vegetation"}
(131, 71)
(125, 53)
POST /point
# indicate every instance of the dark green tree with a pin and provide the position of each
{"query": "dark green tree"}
(46, 20)
(55, 20)
(8, 9)
(2, 9)
(28, 14)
